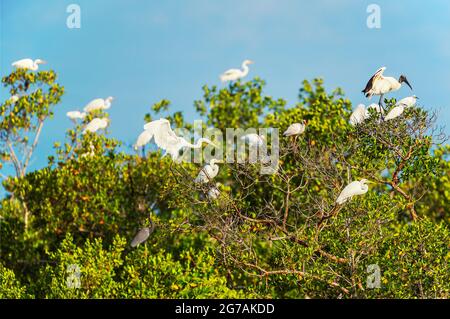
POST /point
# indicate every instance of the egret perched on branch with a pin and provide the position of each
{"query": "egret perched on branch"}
(14, 98)
(208, 172)
(380, 85)
(253, 139)
(352, 189)
(359, 115)
(96, 124)
(166, 139)
(75, 115)
(99, 104)
(235, 74)
(28, 64)
(408, 101)
(295, 129)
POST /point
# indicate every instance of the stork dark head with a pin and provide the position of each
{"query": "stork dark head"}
(404, 79)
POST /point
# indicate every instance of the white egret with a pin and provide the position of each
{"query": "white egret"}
(208, 172)
(213, 192)
(253, 139)
(235, 74)
(359, 115)
(408, 101)
(380, 85)
(295, 129)
(96, 124)
(28, 64)
(75, 115)
(352, 189)
(376, 107)
(166, 139)
(14, 98)
(143, 139)
(99, 104)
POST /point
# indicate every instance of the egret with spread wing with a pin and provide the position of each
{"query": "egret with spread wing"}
(166, 139)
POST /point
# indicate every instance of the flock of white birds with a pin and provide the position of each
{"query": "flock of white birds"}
(166, 139)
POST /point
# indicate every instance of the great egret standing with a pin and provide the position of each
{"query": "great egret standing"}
(352, 189)
(99, 104)
(235, 74)
(166, 139)
(208, 172)
(380, 85)
(28, 64)
(96, 124)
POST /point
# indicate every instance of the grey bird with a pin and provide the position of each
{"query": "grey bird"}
(142, 235)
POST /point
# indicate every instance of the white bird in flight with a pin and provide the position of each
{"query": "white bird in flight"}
(166, 139)
(359, 115)
(352, 189)
(295, 129)
(28, 64)
(76, 115)
(208, 172)
(235, 74)
(96, 124)
(99, 104)
(380, 85)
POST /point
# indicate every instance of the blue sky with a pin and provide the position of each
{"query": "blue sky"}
(143, 51)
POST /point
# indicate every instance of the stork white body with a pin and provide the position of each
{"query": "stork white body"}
(96, 124)
(359, 115)
(352, 189)
(28, 64)
(235, 74)
(76, 115)
(208, 172)
(99, 104)
(295, 129)
(166, 139)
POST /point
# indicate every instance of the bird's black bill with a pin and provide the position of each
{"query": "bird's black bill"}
(406, 81)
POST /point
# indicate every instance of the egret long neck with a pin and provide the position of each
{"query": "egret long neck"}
(244, 69)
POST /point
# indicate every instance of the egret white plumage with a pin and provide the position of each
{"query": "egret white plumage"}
(359, 115)
(380, 85)
(408, 101)
(99, 104)
(235, 74)
(28, 64)
(208, 172)
(213, 192)
(143, 139)
(353, 189)
(96, 124)
(166, 139)
(14, 98)
(76, 115)
(295, 129)
(253, 139)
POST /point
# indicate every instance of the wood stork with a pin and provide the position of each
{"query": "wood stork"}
(208, 172)
(28, 64)
(96, 124)
(352, 189)
(166, 139)
(76, 115)
(295, 129)
(359, 115)
(235, 74)
(99, 104)
(400, 106)
(380, 85)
